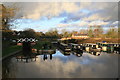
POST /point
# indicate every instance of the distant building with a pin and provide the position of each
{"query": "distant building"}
(80, 36)
(76, 36)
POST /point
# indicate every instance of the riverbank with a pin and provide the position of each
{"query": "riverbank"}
(11, 54)
(10, 50)
(95, 40)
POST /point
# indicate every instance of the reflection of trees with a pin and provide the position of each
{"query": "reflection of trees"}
(9, 69)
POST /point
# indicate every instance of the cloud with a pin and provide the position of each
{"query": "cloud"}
(115, 23)
(98, 10)
(104, 11)
(64, 25)
(85, 24)
(102, 23)
(47, 9)
(75, 14)
(72, 17)
(94, 17)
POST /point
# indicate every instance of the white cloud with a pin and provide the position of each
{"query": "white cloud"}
(95, 17)
(103, 11)
(115, 23)
(63, 25)
(99, 13)
(48, 9)
(68, 67)
(98, 23)
(83, 23)
(106, 10)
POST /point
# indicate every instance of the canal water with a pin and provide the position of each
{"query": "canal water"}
(63, 66)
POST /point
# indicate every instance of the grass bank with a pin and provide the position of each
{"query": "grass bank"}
(10, 49)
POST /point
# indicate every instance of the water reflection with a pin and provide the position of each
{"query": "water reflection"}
(95, 53)
(65, 53)
(32, 57)
(59, 66)
(45, 57)
(9, 68)
(26, 58)
(78, 54)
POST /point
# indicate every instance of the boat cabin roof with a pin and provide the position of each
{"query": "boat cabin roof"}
(90, 44)
(63, 44)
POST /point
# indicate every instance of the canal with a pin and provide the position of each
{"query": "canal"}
(63, 66)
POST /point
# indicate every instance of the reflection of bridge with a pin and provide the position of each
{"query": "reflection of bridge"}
(26, 58)
(29, 57)
(40, 52)
(44, 53)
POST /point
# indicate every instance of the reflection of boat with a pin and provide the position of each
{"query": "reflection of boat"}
(92, 47)
(64, 47)
(95, 50)
(77, 54)
(117, 48)
(75, 46)
(95, 53)
(109, 47)
(117, 52)
(64, 53)
(24, 57)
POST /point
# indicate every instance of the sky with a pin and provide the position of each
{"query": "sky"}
(71, 16)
